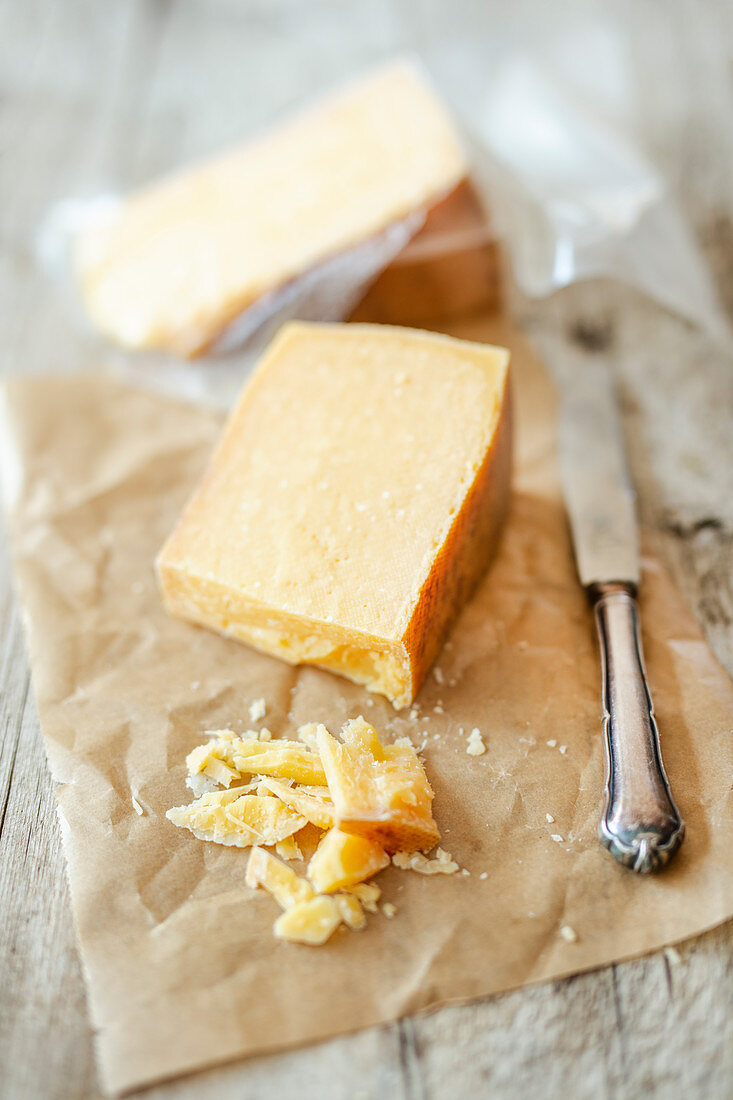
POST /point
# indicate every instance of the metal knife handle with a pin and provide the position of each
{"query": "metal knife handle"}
(640, 826)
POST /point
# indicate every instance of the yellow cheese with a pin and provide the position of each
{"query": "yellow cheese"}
(227, 817)
(316, 808)
(367, 893)
(352, 503)
(351, 911)
(266, 871)
(380, 792)
(288, 849)
(309, 922)
(342, 859)
(181, 259)
(232, 757)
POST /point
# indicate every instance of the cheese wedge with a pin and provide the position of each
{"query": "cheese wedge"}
(352, 503)
(180, 260)
(379, 792)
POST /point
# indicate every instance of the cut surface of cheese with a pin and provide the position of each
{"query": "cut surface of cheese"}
(379, 792)
(225, 817)
(310, 922)
(352, 503)
(286, 887)
(342, 859)
(178, 261)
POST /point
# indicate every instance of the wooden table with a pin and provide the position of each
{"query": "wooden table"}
(99, 93)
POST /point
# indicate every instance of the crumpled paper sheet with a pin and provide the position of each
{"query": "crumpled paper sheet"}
(179, 957)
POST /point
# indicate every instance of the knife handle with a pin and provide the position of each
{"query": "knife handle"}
(640, 826)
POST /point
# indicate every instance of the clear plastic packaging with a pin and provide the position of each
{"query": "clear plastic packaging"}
(548, 107)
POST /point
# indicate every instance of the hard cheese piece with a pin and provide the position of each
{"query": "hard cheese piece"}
(316, 808)
(286, 887)
(342, 860)
(224, 818)
(228, 758)
(451, 267)
(379, 792)
(310, 922)
(183, 258)
(352, 503)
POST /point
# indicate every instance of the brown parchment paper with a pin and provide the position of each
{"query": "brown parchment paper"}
(180, 961)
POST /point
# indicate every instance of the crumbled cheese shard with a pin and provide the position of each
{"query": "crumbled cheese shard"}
(286, 887)
(551, 743)
(380, 792)
(305, 592)
(311, 922)
(556, 837)
(231, 818)
(484, 874)
(562, 750)
(175, 263)
(351, 911)
(475, 746)
(342, 859)
(389, 909)
(308, 734)
(568, 934)
(442, 864)
(288, 849)
(228, 758)
(314, 804)
(368, 894)
(257, 710)
(549, 819)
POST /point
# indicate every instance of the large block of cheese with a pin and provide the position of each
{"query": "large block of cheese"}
(186, 256)
(352, 502)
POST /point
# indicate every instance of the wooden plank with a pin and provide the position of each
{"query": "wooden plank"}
(117, 93)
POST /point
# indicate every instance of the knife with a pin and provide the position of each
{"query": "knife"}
(640, 825)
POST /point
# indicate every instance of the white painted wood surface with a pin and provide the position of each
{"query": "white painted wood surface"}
(110, 92)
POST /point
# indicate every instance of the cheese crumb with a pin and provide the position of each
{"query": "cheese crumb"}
(137, 807)
(368, 893)
(556, 837)
(563, 749)
(476, 746)
(443, 864)
(413, 713)
(257, 710)
(484, 874)
(551, 744)
(549, 819)
(438, 674)
(568, 934)
(389, 909)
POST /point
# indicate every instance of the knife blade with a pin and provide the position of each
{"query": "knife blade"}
(640, 823)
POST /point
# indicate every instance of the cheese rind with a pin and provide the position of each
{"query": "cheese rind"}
(352, 503)
(178, 261)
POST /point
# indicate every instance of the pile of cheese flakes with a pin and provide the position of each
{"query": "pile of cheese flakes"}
(345, 807)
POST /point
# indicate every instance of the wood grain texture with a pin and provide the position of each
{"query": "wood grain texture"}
(102, 93)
